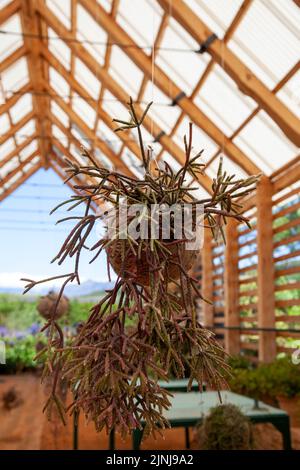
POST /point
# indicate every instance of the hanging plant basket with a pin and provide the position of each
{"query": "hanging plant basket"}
(47, 307)
(113, 370)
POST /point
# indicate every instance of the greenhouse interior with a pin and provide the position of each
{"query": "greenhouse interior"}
(177, 325)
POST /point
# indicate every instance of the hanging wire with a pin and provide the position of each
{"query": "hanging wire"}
(97, 43)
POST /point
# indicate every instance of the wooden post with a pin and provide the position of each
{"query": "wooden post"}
(231, 288)
(265, 273)
(207, 280)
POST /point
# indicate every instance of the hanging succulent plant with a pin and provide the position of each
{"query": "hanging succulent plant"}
(113, 370)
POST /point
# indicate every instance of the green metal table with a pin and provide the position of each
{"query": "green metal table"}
(189, 409)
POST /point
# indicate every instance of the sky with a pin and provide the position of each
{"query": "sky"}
(29, 237)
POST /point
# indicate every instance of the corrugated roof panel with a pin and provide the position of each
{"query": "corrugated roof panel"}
(177, 59)
(145, 31)
(28, 150)
(290, 94)
(7, 147)
(87, 79)
(85, 112)
(163, 114)
(25, 131)
(200, 140)
(265, 143)
(4, 123)
(59, 135)
(125, 72)
(214, 13)
(9, 43)
(258, 41)
(108, 136)
(59, 84)
(114, 108)
(22, 107)
(59, 113)
(59, 49)
(88, 30)
(222, 102)
(62, 10)
(14, 77)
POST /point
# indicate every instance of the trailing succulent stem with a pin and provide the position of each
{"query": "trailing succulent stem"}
(112, 369)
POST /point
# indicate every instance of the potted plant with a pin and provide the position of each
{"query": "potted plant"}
(285, 380)
(225, 428)
(112, 370)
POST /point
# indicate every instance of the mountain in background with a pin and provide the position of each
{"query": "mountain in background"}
(87, 288)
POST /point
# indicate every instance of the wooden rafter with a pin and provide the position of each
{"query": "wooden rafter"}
(119, 164)
(246, 80)
(25, 176)
(169, 145)
(31, 25)
(164, 82)
(230, 31)
(16, 127)
(12, 58)
(5, 107)
(17, 150)
(9, 10)
(18, 168)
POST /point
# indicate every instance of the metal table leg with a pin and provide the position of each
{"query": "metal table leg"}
(112, 440)
(283, 426)
(75, 429)
(137, 436)
(187, 438)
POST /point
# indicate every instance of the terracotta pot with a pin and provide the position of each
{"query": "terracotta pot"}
(47, 303)
(292, 407)
(139, 268)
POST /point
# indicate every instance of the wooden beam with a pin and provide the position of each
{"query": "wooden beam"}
(16, 127)
(207, 281)
(9, 10)
(163, 81)
(265, 270)
(17, 150)
(25, 176)
(292, 175)
(245, 79)
(119, 164)
(31, 25)
(18, 168)
(5, 107)
(231, 288)
(169, 145)
(12, 58)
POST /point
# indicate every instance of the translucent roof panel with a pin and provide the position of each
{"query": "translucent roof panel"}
(28, 150)
(176, 57)
(149, 14)
(85, 111)
(200, 140)
(22, 107)
(90, 32)
(108, 136)
(228, 165)
(62, 10)
(15, 76)
(125, 72)
(10, 43)
(260, 48)
(87, 79)
(290, 94)
(222, 102)
(113, 107)
(59, 135)
(59, 49)
(7, 147)
(59, 84)
(4, 123)
(161, 111)
(214, 15)
(265, 143)
(26, 131)
(59, 113)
